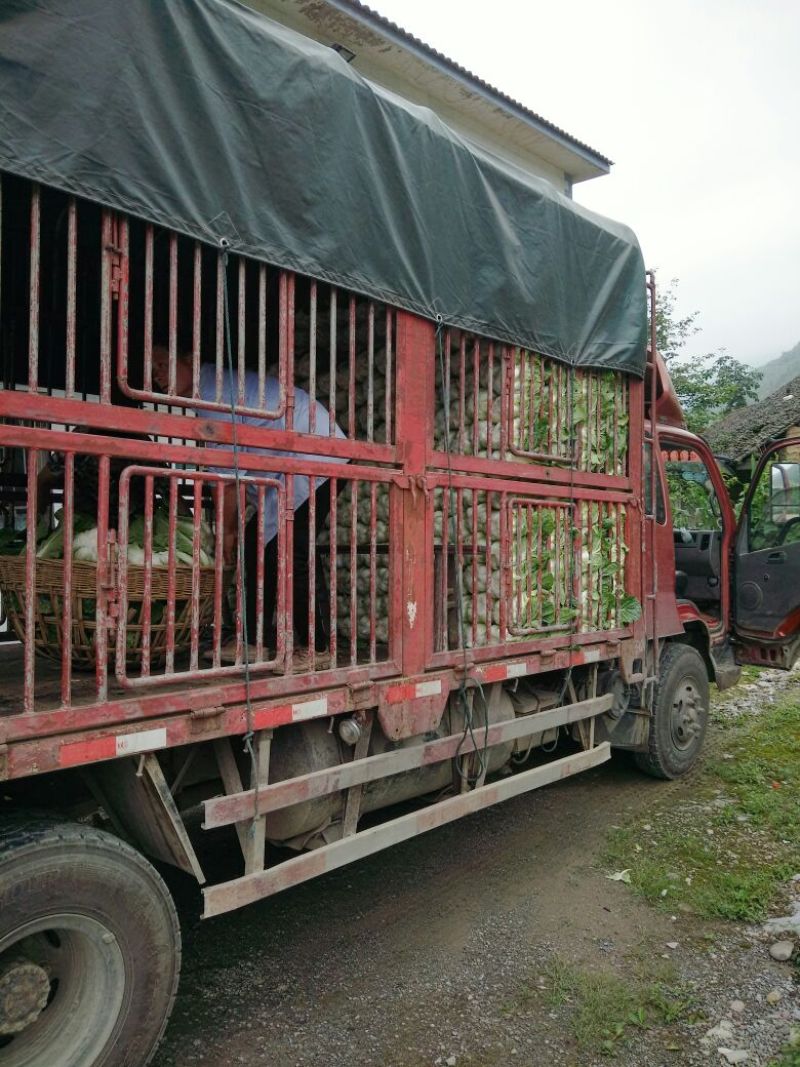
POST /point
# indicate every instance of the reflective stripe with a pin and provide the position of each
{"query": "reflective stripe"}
(516, 670)
(428, 689)
(74, 753)
(309, 709)
(144, 741)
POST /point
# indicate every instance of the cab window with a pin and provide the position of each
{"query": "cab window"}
(697, 529)
(692, 496)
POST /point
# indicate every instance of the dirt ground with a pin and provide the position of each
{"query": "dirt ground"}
(447, 950)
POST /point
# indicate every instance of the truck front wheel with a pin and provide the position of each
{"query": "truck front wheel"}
(680, 714)
(89, 948)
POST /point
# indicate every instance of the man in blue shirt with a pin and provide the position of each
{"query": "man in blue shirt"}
(264, 397)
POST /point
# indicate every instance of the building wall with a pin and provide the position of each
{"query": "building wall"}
(452, 108)
(386, 64)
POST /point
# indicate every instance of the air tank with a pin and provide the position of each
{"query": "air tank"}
(311, 746)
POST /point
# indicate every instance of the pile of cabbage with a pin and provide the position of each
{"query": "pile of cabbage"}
(583, 418)
(576, 416)
(343, 570)
(369, 425)
(50, 546)
(581, 575)
(584, 421)
(84, 540)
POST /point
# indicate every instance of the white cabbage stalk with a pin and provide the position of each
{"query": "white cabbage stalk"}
(84, 546)
(159, 559)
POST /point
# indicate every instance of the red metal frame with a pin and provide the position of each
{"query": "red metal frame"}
(684, 441)
(37, 739)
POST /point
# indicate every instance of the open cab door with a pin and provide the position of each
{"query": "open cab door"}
(766, 571)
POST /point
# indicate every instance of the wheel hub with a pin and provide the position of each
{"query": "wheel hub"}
(685, 718)
(24, 992)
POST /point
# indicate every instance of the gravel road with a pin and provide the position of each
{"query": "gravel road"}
(427, 954)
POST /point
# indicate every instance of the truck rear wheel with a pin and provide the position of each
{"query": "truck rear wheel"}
(89, 948)
(680, 714)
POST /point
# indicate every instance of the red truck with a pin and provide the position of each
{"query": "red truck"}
(343, 494)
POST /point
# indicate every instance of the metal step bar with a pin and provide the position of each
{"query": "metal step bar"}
(228, 896)
(239, 807)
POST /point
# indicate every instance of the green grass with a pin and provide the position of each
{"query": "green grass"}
(790, 1056)
(602, 1009)
(729, 852)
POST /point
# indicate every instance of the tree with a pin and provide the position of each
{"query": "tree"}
(710, 385)
(672, 333)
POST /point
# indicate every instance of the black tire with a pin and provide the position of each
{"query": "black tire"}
(680, 714)
(89, 948)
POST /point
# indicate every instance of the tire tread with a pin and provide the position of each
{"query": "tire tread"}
(654, 761)
(21, 832)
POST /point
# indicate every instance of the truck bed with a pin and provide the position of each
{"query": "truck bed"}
(48, 683)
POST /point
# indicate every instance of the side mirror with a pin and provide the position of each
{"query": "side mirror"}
(774, 511)
(784, 492)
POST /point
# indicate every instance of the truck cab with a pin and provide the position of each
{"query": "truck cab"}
(731, 583)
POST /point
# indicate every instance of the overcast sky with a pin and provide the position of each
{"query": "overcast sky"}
(698, 105)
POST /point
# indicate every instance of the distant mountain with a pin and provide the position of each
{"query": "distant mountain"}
(779, 371)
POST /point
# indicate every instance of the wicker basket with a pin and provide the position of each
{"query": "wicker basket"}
(49, 613)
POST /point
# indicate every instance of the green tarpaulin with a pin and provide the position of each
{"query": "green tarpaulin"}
(205, 117)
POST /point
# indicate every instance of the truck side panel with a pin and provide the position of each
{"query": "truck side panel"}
(465, 467)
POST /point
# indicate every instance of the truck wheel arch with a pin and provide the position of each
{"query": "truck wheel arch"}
(696, 634)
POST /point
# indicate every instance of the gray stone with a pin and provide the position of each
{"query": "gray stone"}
(782, 950)
(785, 924)
(722, 1031)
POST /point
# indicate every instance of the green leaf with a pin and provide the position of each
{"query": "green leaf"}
(629, 610)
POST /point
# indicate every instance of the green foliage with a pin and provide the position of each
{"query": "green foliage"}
(571, 414)
(709, 385)
(774, 512)
(602, 571)
(737, 489)
(672, 333)
(549, 553)
(605, 1009)
(729, 851)
(629, 610)
(790, 1054)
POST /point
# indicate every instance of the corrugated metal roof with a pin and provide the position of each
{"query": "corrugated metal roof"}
(383, 24)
